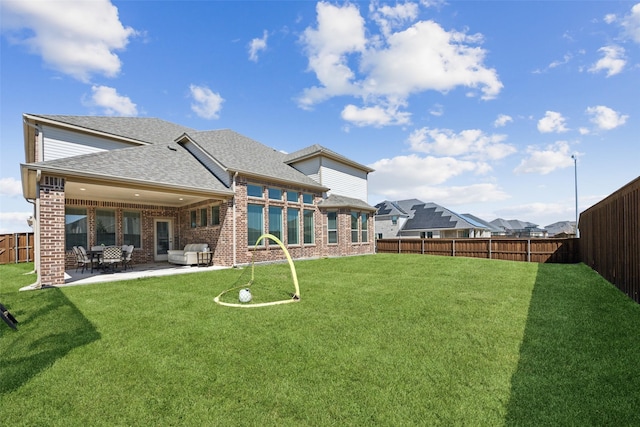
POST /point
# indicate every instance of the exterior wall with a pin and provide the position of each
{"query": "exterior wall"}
(385, 226)
(144, 253)
(310, 167)
(343, 179)
(60, 143)
(51, 222)
(272, 251)
(345, 247)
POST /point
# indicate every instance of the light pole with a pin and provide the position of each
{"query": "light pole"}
(575, 168)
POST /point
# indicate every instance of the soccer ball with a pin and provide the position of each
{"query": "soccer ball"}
(245, 295)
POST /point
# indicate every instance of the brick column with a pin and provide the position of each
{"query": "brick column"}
(51, 217)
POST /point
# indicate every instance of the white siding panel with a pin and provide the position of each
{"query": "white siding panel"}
(61, 143)
(309, 167)
(213, 167)
(343, 179)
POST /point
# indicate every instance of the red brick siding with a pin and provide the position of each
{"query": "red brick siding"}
(51, 220)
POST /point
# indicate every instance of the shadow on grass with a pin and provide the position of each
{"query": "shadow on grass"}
(49, 327)
(579, 355)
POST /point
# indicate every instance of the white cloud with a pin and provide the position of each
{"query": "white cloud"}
(502, 120)
(256, 45)
(385, 69)
(413, 176)
(631, 23)
(75, 37)
(610, 18)
(390, 17)
(437, 110)
(10, 187)
(374, 116)
(14, 222)
(552, 122)
(612, 61)
(207, 104)
(113, 104)
(471, 143)
(606, 118)
(546, 211)
(544, 161)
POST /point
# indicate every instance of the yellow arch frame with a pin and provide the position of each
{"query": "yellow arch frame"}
(296, 296)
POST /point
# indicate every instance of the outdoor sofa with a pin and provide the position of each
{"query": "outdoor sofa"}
(188, 255)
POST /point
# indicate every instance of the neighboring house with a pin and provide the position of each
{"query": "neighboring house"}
(561, 229)
(160, 186)
(416, 219)
(493, 229)
(517, 228)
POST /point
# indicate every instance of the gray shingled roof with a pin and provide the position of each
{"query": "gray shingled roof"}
(166, 164)
(484, 223)
(144, 129)
(338, 201)
(239, 153)
(317, 150)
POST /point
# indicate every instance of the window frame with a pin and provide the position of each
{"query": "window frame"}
(275, 213)
(255, 234)
(255, 187)
(308, 214)
(293, 221)
(69, 243)
(105, 238)
(332, 231)
(126, 241)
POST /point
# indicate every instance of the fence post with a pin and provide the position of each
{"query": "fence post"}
(15, 248)
(453, 247)
(399, 248)
(422, 247)
(489, 248)
(528, 250)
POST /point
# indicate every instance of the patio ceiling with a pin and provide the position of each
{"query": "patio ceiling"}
(87, 191)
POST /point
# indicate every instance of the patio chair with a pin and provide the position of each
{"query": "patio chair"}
(127, 252)
(82, 259)
(111, 256)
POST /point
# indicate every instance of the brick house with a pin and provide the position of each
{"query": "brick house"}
(159, 186)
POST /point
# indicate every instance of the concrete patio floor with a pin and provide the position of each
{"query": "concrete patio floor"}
(137, 271)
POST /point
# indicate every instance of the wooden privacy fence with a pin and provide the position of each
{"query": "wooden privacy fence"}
(610, 238)
(530, 250)
(16, 247)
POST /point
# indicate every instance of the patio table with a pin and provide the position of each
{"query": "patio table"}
(94, 254)
(205, 258)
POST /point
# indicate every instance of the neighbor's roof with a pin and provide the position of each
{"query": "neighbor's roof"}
(238, 153)
(318, 150)
(513, 224)
(147, 130)
(486, 224)
(338, 201)
(164, 165)
(428, 216)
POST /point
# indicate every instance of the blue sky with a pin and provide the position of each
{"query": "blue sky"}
(477, 106)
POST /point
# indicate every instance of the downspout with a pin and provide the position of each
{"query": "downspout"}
(234, 244)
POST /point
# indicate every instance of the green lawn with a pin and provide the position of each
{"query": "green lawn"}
(375, 340)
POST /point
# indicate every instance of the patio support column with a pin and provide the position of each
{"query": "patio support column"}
(52, 231)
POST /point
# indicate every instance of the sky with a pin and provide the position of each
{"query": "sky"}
(477, 106)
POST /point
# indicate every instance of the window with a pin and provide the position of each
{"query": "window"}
(293, 226)
(203, 217)
(292, 196)
(332, 227)
(275, 194)
(131, 229)
(354, 227)
(255, 223)
(254, 190)
(215, 215)
(307, 198)
(308, 227)
(75, 227)
(194, 224)
(364, 231)
(394, 220)
(105, 227)
(275, 221)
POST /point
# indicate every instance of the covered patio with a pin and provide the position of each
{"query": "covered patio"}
(140, 271)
